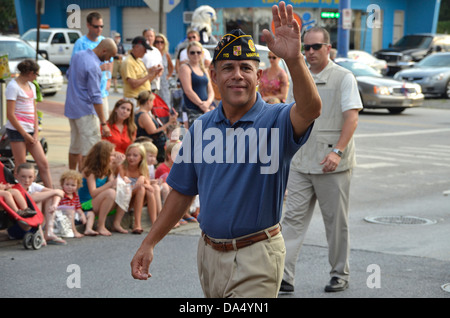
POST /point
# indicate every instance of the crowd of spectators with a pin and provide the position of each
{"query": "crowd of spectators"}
(129, 147)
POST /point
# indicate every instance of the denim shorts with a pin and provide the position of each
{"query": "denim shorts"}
(14, 135)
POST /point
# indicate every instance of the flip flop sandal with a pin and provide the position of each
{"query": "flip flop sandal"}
(58, 241)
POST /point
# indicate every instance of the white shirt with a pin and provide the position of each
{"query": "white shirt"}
(349, 88)
(24, 109)
(35, 187)
(150, 59)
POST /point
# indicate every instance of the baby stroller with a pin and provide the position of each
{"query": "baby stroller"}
(161, 110)
(33, 238)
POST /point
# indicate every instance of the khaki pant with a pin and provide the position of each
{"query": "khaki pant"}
(84, 133)
(254, 271)
(332, 192)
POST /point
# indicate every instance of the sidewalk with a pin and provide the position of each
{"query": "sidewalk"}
(56, 130)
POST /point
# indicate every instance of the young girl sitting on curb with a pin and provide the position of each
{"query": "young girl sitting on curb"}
(134, 170)
(98, 189)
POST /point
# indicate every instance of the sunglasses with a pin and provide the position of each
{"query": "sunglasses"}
(272, 57)
(159, 42)
(192, 37)
(315, 46)
(195, 52)
(97, 26)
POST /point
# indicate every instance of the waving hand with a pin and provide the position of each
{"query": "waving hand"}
(286, 43)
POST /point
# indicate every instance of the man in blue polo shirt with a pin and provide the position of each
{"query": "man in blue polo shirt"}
(236, 158)
(83, 105)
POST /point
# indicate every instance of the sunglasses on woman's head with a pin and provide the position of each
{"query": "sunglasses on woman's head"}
(315, 46)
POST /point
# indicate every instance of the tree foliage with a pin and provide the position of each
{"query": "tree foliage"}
(8, 20)
(444, 17)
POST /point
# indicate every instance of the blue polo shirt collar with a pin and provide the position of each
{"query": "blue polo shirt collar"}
(250, 116)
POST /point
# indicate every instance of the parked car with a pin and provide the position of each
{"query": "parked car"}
(55, 44)
(50, 78)
(377, 91)
(361, 56)
(413, 48)
(432, 74)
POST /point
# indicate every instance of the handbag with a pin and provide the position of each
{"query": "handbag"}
(63, 226)
(123, 193)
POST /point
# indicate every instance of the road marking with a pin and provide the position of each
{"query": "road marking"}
(376, 165)
(383, 157)
(422, 154)
(404, 133)
(395, 123)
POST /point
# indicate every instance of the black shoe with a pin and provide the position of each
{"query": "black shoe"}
(336, 284)
(26, 213)
(286, 287)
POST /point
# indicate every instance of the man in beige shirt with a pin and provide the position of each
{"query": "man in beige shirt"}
(321, 170)
(136, 77)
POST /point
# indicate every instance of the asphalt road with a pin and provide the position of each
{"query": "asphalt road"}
(403, 170)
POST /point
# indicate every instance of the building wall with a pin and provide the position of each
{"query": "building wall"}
(420, 15)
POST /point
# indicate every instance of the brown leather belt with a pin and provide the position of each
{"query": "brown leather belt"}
(233, 245)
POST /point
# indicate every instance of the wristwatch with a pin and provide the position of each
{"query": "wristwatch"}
(338, 152)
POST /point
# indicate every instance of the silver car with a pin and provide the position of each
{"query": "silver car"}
(432, 73)
(381, 92)
(361, 56)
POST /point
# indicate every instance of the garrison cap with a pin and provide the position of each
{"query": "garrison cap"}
(236, 45)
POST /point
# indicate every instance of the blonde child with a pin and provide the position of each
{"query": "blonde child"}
(160, 189)
(163, 171)
(71, 181)
(134, 170)
(47, 198)
(98, 189)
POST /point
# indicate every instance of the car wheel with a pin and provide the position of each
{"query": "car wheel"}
(447, 90)
(396, 110)
(44, 54)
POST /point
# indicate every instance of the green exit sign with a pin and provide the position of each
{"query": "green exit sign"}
(330, 15)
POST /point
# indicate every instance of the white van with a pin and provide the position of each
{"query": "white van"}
(50, 78)
(55, 44)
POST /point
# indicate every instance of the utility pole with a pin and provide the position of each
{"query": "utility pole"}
(161, 16)
(40, 7)
(343, 42)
